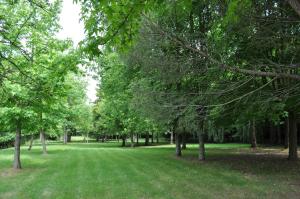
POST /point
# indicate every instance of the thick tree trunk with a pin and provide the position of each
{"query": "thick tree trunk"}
(293, 155)
(253, 135)
(123, 140)
(69, 137)
(137, 139)
(65, 137)
(183, 141)
(152, 137)
(171, 137)
(43, 140)
(30, 142)
(178, 143)
(17, 162)
(286, 133)
(131, 140)
(147, 139)
(157, 138)
(201, 156)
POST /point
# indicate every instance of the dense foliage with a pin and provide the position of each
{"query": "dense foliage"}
(39, 73)
(225, 70)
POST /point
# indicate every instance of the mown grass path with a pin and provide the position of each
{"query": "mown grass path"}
(87, 171)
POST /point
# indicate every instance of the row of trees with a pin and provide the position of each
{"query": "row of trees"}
(42, 91)
(197, 67)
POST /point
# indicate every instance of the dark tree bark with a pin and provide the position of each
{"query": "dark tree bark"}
(253, 135)
(152, 137)
(123, 140)
(131, 140)
(17, 162)
(147, 139)
(286, 133)
(43, 140)
(293, 154)
(183, 141)
(30, 142)
(178, 143)
(201, 146)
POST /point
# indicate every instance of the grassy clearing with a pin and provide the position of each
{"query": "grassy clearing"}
(93, 170)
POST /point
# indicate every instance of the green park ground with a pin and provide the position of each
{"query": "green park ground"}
(105, 170)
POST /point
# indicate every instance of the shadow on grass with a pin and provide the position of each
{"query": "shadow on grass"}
(260, 163)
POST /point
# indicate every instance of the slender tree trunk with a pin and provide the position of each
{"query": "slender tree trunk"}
(137, 139)
(183, 141)
(30, 142)
(65, 137)
(286, 134)
(43, 140)
(201, 156)
(178, 143)
(172, 137)
(118, 137)
(157, 138)
(152, 137)
(253, 135)
(147, 139)
(293, 154)
(131, 140)
(123, 137)
(17, 162)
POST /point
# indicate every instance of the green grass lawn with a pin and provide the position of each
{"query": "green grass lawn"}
(105, 170)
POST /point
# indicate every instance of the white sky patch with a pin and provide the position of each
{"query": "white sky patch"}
(73, 28)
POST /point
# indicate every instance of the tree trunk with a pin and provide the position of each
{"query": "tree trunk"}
(286, 133)
(183, 141)
(123, 140)
(65, 137)
(157, 138)
(201, 146)
(131, 140)
(30, 143)
(253, 135)
(17, 162)
(43, 140)
(137, 139)
(152, 137)
(293, 155)
(118, 138)
(147, 139)
(69, 137)
(178, 143)
(171, 137)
